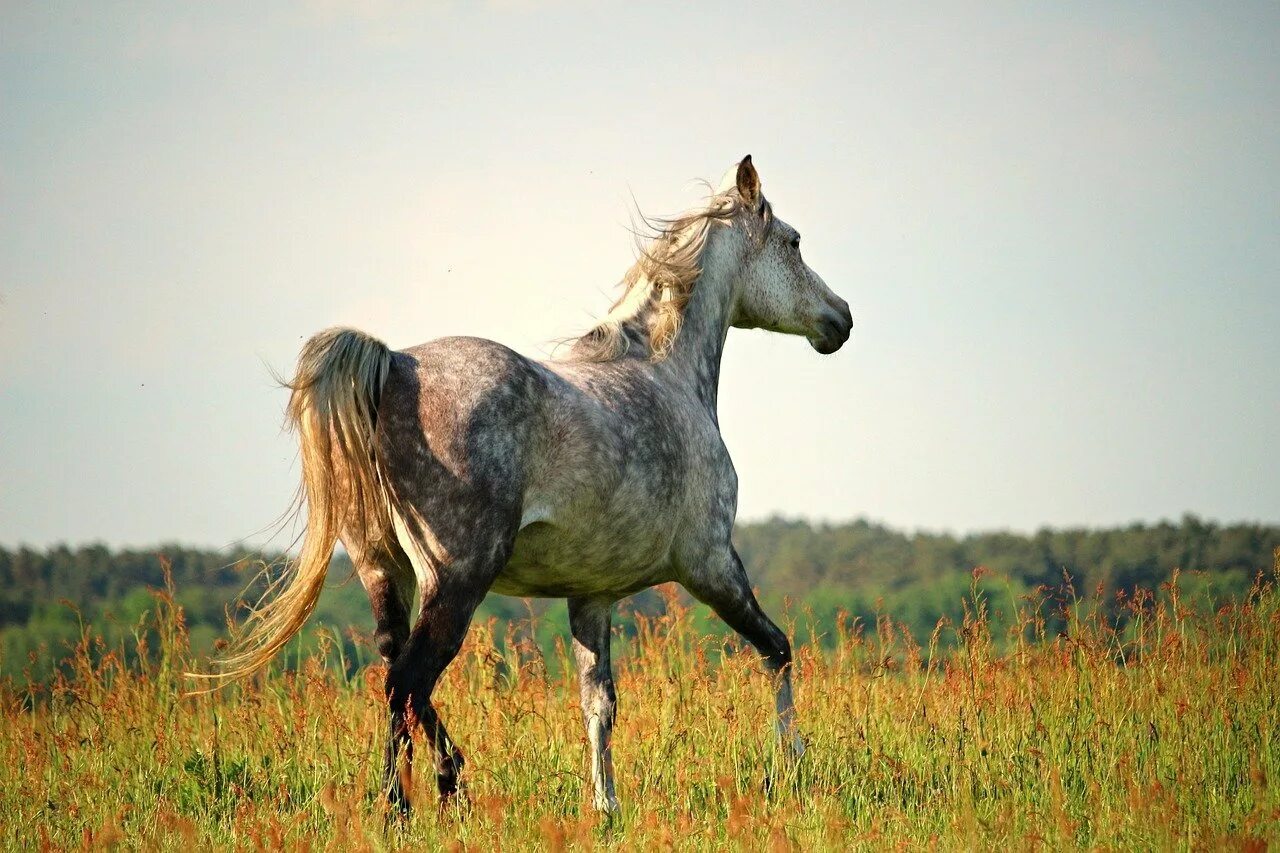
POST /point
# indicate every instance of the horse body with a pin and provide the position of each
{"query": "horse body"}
(600, 507)
(460, 466)
(590, 463)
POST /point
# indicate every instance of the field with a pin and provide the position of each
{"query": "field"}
(1155, 733)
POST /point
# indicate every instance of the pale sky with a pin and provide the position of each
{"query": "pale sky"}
(1058, 228)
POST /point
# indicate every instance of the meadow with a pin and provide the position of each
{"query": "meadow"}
(1156, 730)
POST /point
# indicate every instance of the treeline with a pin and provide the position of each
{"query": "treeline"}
(808, 575)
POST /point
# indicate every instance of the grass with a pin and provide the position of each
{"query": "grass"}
(1156, 734)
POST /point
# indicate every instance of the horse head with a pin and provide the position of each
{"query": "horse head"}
(775, 289)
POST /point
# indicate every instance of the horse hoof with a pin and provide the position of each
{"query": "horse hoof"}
(455, 802)
(398, 811)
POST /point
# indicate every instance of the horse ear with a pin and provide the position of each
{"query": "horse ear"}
(749, 182)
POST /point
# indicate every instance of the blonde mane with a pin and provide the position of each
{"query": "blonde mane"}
(663, 277)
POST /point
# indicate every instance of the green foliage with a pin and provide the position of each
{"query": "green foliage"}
(806, 574)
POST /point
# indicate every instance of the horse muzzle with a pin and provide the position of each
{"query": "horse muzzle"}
(834, 327)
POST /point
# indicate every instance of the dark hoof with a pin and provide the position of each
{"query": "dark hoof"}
(455, 804)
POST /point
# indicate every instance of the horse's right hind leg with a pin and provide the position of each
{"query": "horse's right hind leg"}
(387, 576)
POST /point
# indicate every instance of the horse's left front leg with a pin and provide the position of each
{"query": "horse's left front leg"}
(589, 622)
(724, 587)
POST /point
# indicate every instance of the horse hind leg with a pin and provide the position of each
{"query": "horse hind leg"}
(449, 594)
(385, 572)
(434, 642)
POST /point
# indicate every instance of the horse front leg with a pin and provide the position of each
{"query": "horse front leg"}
(589, 621)
(723, 586)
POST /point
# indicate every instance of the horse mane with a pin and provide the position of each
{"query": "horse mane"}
(663, 276)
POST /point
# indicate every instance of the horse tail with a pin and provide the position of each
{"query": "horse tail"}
(333, 408)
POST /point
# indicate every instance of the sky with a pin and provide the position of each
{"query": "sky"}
(1058, 227)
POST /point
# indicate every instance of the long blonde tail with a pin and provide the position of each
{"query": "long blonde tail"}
(333, 408)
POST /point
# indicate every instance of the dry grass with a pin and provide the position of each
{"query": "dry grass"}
(1158, 736)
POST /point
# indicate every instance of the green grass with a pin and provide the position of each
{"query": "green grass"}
(1160, 734)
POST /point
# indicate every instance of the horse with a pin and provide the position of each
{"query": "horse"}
(459, 467)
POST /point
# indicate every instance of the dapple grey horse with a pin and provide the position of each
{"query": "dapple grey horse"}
(459, 466)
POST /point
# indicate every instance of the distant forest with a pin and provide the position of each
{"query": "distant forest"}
(808, 576)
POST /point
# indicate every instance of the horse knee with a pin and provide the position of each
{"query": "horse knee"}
(603, 705)
(599, 699)
(609, 703)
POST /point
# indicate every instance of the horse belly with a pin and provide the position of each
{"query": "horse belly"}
(552, 560)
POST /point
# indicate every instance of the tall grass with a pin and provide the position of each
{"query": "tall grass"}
(1157, 732)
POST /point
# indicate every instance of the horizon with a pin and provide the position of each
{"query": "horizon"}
(1055, 227)
(266, 547)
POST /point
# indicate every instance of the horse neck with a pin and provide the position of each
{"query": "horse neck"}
(695, 355)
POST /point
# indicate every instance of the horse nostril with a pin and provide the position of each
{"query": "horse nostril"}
(833, 327)
(836, 328)
(842, 308)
